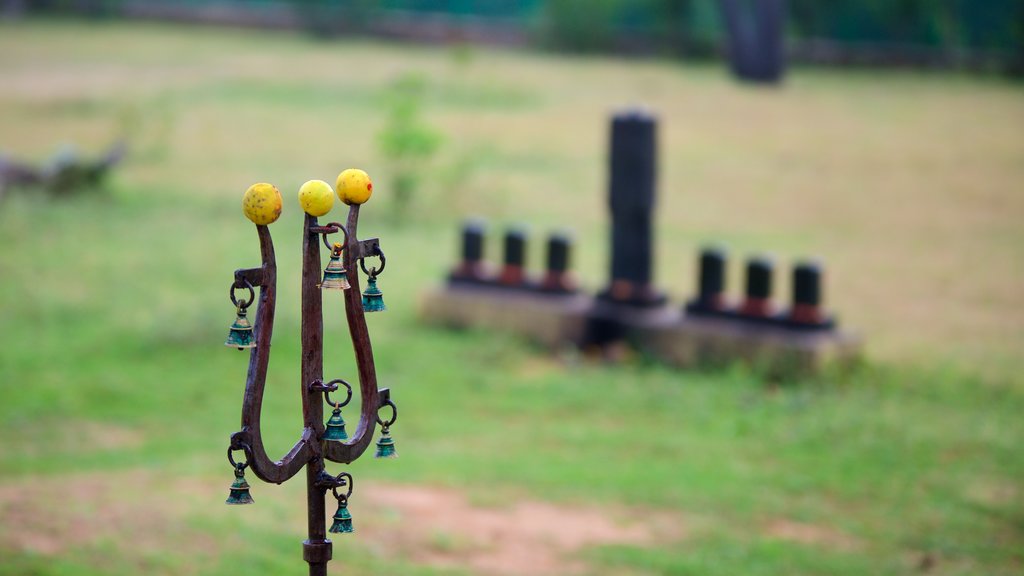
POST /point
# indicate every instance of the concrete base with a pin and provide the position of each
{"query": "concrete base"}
(548, 319)
(664, 332)
(687, 341)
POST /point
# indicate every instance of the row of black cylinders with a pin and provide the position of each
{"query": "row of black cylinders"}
(756, 303)
(513, 270)
(806, 286)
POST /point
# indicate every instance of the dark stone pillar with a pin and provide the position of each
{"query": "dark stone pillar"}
(807, 294)
(513, 272)
(557, 277)
(757, 301)
(632, 199)
(472, 265)
(756, 30)
(711, 286)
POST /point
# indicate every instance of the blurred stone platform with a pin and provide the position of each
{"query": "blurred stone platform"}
(664, 333)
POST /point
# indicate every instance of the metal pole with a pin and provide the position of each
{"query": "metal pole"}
(317, 547)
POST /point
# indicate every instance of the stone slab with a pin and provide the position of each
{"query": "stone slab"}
(663, 332)
(551, 320)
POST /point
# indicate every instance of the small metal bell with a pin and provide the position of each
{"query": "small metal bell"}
(386, 445)
(335, 275)
(373, 298)
(241, 336)
(336, 427)
(239, 488)
(342, 518)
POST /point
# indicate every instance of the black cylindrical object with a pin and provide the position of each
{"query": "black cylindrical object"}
(712, 276)
(559, 247)
(755, 38)
(631, 195)
(807, 284)
(557, 277)
(513, 272)
(472, 268)
(757, 303)
(515, 247)
(759, 278)
(473, 241)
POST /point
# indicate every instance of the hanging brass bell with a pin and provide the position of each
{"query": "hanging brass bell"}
(342, 518)
(336, 427)
(335, 275)
(239, 488)
(386, 445)
(373, 298)
(241, 335)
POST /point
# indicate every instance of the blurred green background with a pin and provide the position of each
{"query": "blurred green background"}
(985, 36)
(118, 396)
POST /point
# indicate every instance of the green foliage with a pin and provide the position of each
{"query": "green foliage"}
(989, 30)
(601, 25)
(328, 18)
(580, 24)
(406, 141)
(953, 25)
(994, 28)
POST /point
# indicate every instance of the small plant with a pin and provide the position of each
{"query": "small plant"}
(407, 143)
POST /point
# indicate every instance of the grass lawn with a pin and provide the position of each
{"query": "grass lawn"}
(117, 397)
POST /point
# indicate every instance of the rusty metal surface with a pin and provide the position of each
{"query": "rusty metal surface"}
(309, 451)
(249, 438)
(348, 451)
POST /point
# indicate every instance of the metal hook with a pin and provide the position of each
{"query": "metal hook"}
(245, 284)
(340, 228)
(394, 414)
(244, 448)
(342, 482)
(373, 272)
(327, 392)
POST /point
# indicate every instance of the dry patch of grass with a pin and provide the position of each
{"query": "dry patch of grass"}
(141, 511)
(810, 534)
(442, 528)
(52, 515)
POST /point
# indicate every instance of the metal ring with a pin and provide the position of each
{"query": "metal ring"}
(245, 449)
(349, 484)
(394, 414)
(374, 271)
(246, 285)
(339, 227)
(327, 393)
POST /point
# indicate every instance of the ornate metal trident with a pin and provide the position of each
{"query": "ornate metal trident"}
(262, 204)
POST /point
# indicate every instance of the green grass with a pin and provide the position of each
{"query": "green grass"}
(114, 306)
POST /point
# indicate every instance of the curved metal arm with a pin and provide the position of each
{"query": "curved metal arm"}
(349, 451)
(252, 404)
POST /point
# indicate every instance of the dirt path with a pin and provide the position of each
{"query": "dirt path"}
(440, 527)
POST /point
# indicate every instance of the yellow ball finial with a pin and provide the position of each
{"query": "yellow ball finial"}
(316, 197)
(262, 203)
(354, 186)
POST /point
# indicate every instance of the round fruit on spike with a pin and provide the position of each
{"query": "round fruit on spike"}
(316, 197)
(354, 186)
(262, 203)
